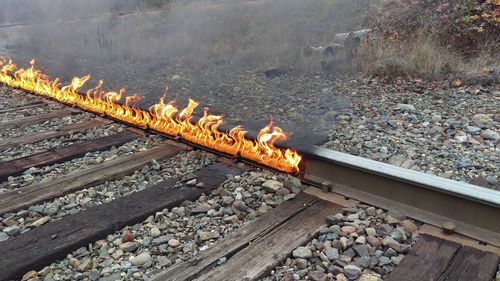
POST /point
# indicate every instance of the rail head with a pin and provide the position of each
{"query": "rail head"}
(436, 183)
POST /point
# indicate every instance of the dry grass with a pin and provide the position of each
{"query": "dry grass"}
(424, 57)
(421, 52)
(252, 35)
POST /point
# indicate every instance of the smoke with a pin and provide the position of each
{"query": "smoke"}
(203, 49)
(254, 33)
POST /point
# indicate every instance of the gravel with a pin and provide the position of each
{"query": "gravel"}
(453, 133)
(39, 109)
(30, 149)
(172, 235)
(361, 243)
(16, 98)
(47, 173)
(52, 124)
(182, 164)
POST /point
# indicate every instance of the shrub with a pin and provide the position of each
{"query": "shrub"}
(432, 38)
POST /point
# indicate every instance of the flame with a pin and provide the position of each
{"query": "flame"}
(162, 117)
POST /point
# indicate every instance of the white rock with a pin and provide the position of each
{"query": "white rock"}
(173, 243)
(191, 182)
(272, 185)
(461, 139)
(482, 119)
(406, 107)
(360, 240)
(389, 241)
(141, 259)
(3, 236)
(155, 232)
(12, 230)
(41, 221)
(370, 231)
(302, 252)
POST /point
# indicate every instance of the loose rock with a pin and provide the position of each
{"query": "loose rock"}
(302, 252)
(141, 259)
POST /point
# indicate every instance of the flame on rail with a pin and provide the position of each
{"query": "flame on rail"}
(162, 117)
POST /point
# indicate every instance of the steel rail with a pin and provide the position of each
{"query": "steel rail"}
(474, 210)
(427, 198)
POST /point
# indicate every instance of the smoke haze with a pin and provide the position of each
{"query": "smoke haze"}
(213, 51)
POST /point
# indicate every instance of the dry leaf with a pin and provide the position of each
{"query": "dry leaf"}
(455, 83)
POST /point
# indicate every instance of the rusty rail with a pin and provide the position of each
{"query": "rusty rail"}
(473, 211)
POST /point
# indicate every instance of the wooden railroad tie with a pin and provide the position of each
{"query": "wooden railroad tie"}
(50, 134)
(36, 119)
(46, 244)
(256, 248)
(53, 156)
(433, 258)
(35, 193)
(24, 106)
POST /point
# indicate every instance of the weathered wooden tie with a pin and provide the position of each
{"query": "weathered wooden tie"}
(471, 264)
(433, 258)
(35, 193)
(36, 119)
(50, 134)
(246, 235)
(43, 245)
(18, 166)
(257, 247)
(23, 107)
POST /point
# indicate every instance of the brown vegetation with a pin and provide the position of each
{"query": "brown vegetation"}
(433, 39)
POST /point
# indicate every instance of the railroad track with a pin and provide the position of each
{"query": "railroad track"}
(106, 201)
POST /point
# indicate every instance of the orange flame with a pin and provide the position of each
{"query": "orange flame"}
(161, 117)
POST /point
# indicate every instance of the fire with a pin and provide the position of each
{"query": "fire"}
(164, 117)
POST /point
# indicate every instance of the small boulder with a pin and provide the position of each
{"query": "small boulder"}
(482, 119)
(490, 135)
(272, 185)
(317, 276)
(331, 253)
(207, 235)
(302, 252)
(12, 230)
(406, 108)
(155, 232)
(41, 221)
(173, 243)
(352, 272)
(389, 241)
(129, 246)
(3, 236)
(141, 259)
(301, 263)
